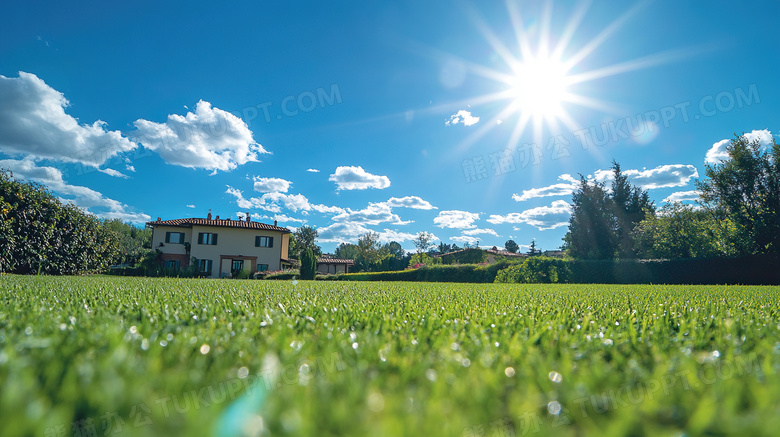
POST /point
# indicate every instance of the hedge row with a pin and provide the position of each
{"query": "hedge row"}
(439, 273)
(751, 270)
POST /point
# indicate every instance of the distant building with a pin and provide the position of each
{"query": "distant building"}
(554, 253)
(327, 265)
(221, 247)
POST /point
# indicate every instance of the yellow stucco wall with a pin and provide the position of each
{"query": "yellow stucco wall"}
(230, 242)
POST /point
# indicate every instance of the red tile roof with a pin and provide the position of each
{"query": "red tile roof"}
(223, 223)
(326, 260)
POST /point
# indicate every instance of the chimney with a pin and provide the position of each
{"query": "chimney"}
(274, 222)
(217, 217)
(159, 219)
(247, 217)
(209, 216)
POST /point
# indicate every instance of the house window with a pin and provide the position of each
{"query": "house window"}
(172, 264)
(207, 238)
(262, 267)
(174, 237)
(204, 266)
(264, 241)
(238, 265)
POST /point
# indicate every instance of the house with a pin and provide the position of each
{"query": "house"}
(221, 247)
(327, 265)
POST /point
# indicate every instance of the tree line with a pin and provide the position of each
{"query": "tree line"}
(39, 234)
(737, 214)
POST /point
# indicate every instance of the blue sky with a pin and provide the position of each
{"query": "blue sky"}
(467, 120)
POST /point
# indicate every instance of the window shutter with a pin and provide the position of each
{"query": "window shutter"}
(215, 240)
(257, 241)
(270, 241)
(200, 237)
(167, 237)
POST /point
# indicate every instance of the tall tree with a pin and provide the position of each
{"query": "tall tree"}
(592, 223)
(511, 246)
(347, 251)
(422, 241)
(304, 238)
(308, 264)
(394, 249)
(369, 250)
(631, 204)
(746, 189)
(532, 250)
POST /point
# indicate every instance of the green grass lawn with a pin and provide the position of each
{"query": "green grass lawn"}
(134, 356)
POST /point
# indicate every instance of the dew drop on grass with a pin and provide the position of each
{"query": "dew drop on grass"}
(509, 372)
(28, 330)
(430, 374)
(376, 402)
(295, 344)
(555, 377)
(243, 372)
(145, 344)
(354, 345)
(554, 407)
(205, 349)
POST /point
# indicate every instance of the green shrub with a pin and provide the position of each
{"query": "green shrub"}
(284, 275)
(536, 270)
(308, 264)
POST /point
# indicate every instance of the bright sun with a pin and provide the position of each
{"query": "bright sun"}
(538, 88)
(543, 78)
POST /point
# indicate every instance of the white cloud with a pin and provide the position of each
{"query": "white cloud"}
(313, 170)
(341, 232)
(190, 206)
(413, 202)
(462, 116)
(271, 185)
(280, 218)
(273, 202)
(480, 231)
(455, 219)
(682, 196)
(355, 178)
(717, 153)
(350, 232)
(388, 235)
(130, 168)
(465, 239)
(665, 176)
(373, 214)
(560, 189)
(83, 197)
(209, 138)
(543, 217)
(33, 123)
